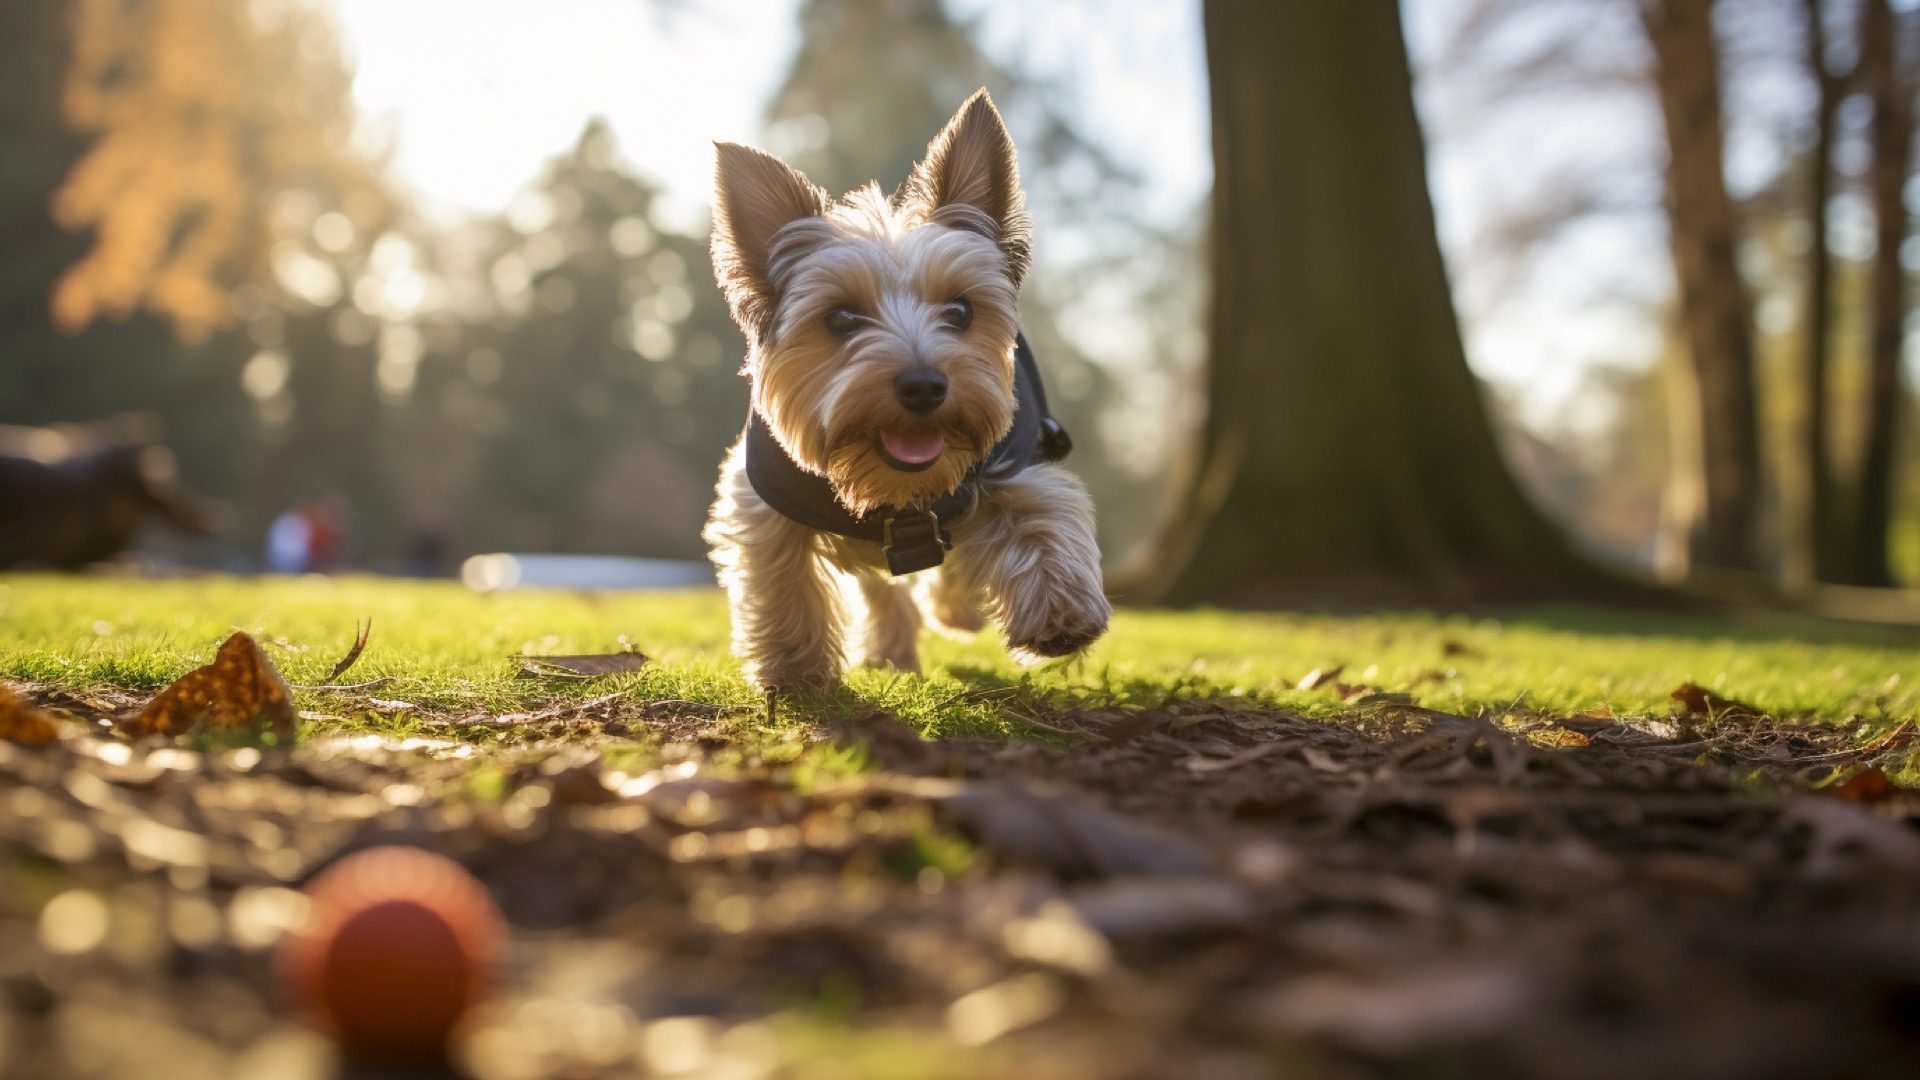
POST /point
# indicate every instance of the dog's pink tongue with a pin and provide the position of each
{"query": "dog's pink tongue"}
(913, 449)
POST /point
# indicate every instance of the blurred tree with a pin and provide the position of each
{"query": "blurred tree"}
(47, 376)
(603, 390)
(203, 112)
(1348, 454)
(869, 78)
(1715, 310)
(1822, 529)
(1890, 76)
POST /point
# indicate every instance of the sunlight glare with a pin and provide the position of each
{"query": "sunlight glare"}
(473, 95)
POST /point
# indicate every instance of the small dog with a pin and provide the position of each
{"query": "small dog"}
(881, 352)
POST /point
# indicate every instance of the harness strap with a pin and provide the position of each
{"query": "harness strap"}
(914, 538)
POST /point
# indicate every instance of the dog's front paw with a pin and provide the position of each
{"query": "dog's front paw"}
(1062, 645)
(1052, 619)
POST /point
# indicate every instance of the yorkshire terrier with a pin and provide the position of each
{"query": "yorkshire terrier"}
(898, 424)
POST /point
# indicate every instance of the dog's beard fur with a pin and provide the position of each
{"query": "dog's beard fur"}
(828, 400)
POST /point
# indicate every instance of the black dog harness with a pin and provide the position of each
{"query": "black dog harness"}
(914, 538)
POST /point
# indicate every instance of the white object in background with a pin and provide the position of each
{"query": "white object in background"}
(500, 571)
(288, 541)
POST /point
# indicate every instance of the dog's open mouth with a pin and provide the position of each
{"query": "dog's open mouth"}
(911, 451)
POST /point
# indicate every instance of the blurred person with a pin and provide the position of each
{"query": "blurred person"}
(309, 538)
(288, 541)
(329, 531)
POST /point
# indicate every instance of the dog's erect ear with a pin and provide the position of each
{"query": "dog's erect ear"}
(971, 180)
(755, 196)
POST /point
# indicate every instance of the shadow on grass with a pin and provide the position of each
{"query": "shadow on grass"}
(1755, 625)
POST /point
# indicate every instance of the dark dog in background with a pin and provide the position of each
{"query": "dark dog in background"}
(75, 495)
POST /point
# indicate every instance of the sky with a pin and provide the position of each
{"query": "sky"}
(473, 96)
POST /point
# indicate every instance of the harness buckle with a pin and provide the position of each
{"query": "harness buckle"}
(912, 541)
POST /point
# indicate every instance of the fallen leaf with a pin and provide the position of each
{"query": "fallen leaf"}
(1587, 725)
(588, 666)
(897, 747)
(1706, 874)
(1696, 700)
(239, 689)
(1162, 904)
(1321, 760)
(1398, 1014)
(24, 722)
(1320, 676)
(1069, 836)
(1199, 764)
(1123, 728)
(1871, 786)
(1839, 827)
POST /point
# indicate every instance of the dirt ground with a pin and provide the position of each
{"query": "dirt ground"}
(1199, 893)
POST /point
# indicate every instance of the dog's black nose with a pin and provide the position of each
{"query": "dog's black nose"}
(920, 389)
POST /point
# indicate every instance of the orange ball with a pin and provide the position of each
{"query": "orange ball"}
(398, 945)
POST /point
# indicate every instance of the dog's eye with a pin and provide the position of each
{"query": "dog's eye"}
(959, 314)
(842, 323)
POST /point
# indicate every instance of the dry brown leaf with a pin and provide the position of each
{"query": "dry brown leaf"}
(1320, 676)
(1871, 786)
(1587, 725)
(1696, 700)
(24, 722)
(239, 689)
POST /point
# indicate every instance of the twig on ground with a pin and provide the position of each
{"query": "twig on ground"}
(1198, 764)
(519, 719)
(1036, 722)
(1690, 747)
(360, 635)
(702, 707)
(370, 684)
(1884, 741)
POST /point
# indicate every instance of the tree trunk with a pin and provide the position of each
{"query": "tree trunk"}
(1892, 91)
(1714, 306)
(1347, 456)
(1822, 526)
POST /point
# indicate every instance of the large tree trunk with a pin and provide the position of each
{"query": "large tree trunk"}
(1822, 532)
(1714, 306)
(1347, 456)
(1892, 91)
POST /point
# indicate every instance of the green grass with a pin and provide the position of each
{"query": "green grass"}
(447, 650)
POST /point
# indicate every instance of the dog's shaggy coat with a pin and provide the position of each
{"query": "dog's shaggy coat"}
(837, 299)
